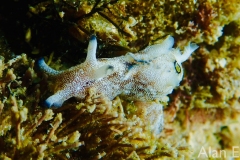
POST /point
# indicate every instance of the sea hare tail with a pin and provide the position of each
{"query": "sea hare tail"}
(54, 100)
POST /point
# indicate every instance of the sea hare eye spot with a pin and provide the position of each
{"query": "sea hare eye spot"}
(177, 67)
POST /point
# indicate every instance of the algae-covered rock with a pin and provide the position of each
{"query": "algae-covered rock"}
(203, 112)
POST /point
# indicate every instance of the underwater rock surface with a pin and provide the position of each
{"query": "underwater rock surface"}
(202, 112)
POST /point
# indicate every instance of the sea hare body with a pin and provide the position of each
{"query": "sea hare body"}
(148, 75)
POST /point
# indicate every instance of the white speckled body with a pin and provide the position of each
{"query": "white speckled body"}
(150, 74)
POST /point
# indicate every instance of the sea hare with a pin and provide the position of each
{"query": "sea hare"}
(147, 75)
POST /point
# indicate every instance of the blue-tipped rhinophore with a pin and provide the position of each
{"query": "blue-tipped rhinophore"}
(92, 37)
